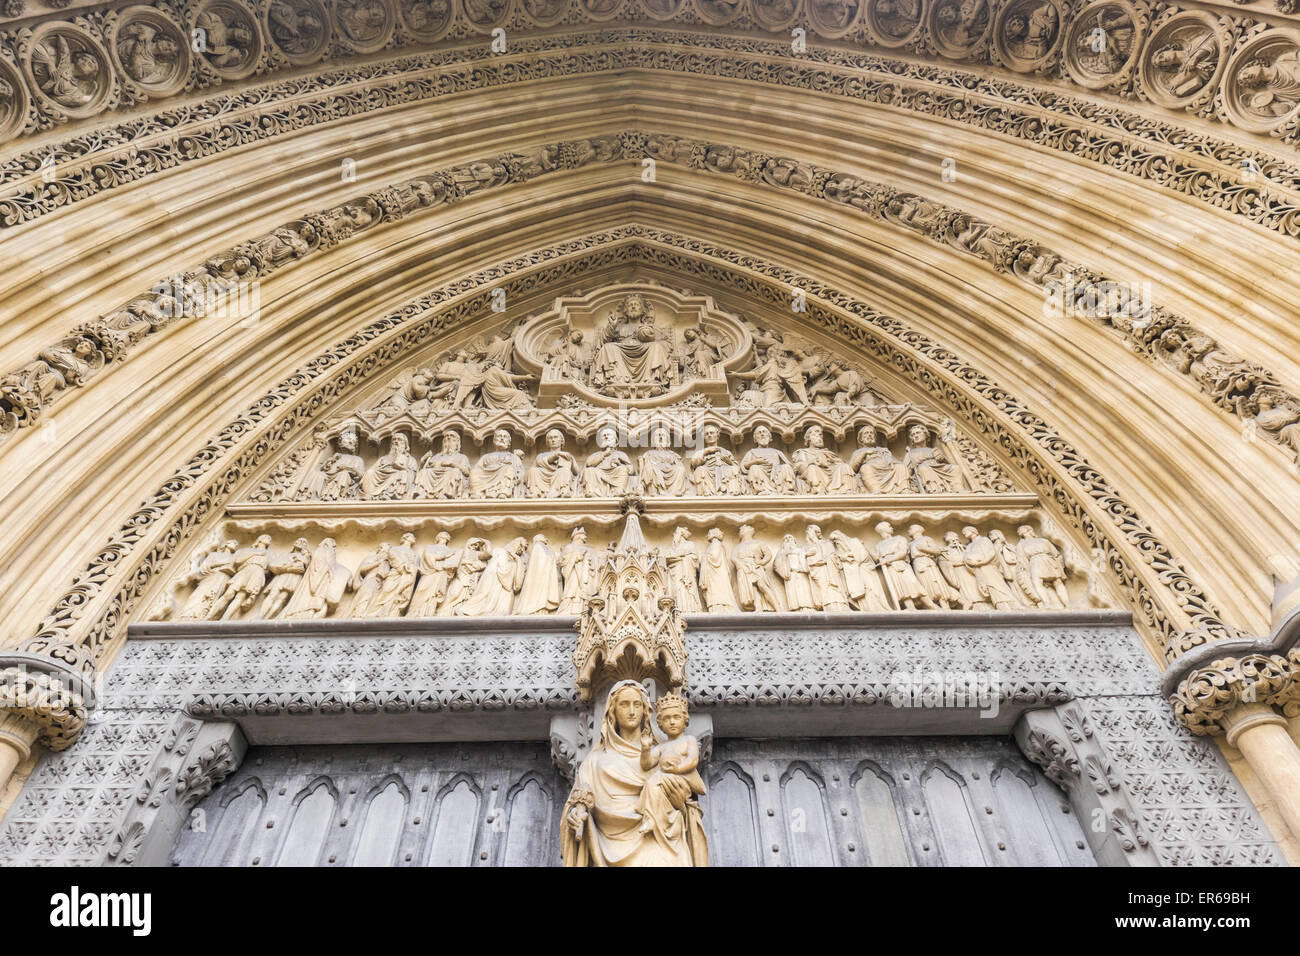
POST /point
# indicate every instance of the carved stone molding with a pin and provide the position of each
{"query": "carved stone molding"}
(1062, 742)
(49, 697)
(1199, 166)
(72, 629)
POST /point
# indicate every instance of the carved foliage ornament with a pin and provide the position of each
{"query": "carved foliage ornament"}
(1206, 697)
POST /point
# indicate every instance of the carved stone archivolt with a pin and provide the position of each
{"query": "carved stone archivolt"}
(76, 635)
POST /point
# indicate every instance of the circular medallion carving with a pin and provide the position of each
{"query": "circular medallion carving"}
(150, 50)
(1101, 46)
(601, 9)
(486, 14)
(300, 29)
(69, 70)
(1027, 33)
(959, 27)
(546, 13)
(14, 102)
(833, 18)
(1262, 89)
(894, 23)
(663, 9)
(426, 20)
(365, 25)
(776, 14)
(1184, 59)
(228, 38)
(718, 12)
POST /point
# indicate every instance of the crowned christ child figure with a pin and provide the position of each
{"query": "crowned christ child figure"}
(678, 755)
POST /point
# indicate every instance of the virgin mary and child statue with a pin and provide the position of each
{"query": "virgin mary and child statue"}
(634, 802)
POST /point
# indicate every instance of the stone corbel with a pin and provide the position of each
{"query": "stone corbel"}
(42, 701)
(1061, 742)
(195, 758)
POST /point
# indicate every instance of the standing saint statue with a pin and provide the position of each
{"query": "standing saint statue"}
(1040, 572)
(321, 588)
(608, 819)
(438, 563)
(894, 555)
(473, 559)
(683, 560)
(541, 590)
(755, 590)
(861, 581)
(661, 469)
(578, 572)
(211, 576)
(494, 595)
(288, 573)
(715, 577)
(792, 567)
(826, 572)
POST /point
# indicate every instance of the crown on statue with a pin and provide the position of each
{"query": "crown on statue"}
(668, 703)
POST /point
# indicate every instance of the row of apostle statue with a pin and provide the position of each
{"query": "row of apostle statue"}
(609, 472)
(835, 572)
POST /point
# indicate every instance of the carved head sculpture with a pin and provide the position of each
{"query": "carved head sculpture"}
(813, 533)
(659, 438)
(263, 542)
(710, 434)
(885, 529)
(517, 546)
(918, 435)
(789, 542)
(868, 437)
(626, 712)
(634, 307)
(813, 436)
(1167, 58)
(672, 714)
(715, 534)
(450, 442)
(541, 540)
(997, 537)
(951, 539)
(401, 445)
(555, 439)
(408, 539)
(746, 532)
(681, 534)
(606, 438)
(443, 538)
(762, 436)
(501, 439)
(970, 533)
(579, 536)
(329, 543)
(1025, 531)
(348, 440)
(915, 531)
(690, 335)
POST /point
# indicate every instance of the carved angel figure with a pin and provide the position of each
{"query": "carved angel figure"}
(66, 75)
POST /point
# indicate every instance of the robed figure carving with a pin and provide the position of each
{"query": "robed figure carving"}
(610, 819)
(631, 351)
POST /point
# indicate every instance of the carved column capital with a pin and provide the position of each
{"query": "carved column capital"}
(1208, 699)
(42, 700)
